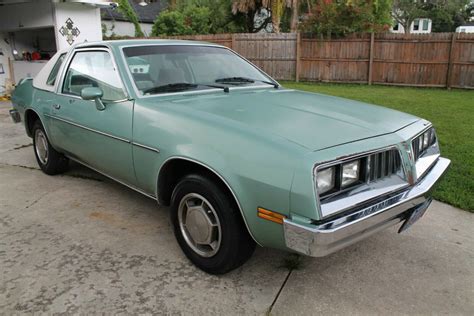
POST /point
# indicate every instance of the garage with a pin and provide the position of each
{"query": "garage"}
(31, 31)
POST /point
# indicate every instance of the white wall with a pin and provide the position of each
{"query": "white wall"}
(86, 19)
(24, 69)
(420, 30)
(465, 29)
(125, 28)
(26, 15)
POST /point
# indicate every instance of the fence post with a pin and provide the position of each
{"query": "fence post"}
(371, 58)
(233, 41)
(450, 62)
(297, 57)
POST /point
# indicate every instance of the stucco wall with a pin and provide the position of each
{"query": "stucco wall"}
(85, 18)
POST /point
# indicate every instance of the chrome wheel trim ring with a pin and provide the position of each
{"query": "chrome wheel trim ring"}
(41, 146)
(199, 225)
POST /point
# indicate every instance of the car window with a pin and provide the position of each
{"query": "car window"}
(54, 72)
(204, 66)
(93, 69)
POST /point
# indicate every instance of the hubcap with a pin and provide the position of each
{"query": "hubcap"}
(41, 146)
(199, 224)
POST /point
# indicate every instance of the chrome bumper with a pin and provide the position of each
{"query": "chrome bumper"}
(15, 115)
(321, 240)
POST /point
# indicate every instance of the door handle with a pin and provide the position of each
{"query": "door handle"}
(56, 106)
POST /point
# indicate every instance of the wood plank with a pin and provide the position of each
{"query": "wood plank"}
(371, 58)
(450, 64)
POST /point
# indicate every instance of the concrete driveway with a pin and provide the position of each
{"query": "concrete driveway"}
(80, 243)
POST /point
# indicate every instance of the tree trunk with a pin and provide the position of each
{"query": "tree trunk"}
(406, 27)
(294, 15)
(275, 14)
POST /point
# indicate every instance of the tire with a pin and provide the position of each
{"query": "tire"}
(50, 161)
(233, 244)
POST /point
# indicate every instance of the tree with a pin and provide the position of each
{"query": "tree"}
(295, 5)
(407, 11)
(192, 20)
(246, 10)
(127, 11)
(169, 23)
(275, 8)
(342, 17)
(221, 18)
(447, 15)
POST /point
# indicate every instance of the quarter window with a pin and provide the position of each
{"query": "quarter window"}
(54, 72)
(93, 69)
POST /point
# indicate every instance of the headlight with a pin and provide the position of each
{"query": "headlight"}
(325, 180)
(350, 173)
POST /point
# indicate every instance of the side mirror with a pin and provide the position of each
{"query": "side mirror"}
(94, 93)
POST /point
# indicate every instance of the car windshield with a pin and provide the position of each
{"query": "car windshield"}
(172, 68)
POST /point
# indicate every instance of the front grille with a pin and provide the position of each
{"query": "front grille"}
(374, 167)
(382, 164)
(422, 142)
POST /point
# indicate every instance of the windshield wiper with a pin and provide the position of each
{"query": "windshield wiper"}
(180, 86)
(243, 80)
(171, 87)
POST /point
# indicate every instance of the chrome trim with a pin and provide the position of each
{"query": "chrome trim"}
(146, 147)
(428, 157)
(140, 95)
(112, 178)
(323, 239)
(220, 177)
(89, 129)
(361, 193)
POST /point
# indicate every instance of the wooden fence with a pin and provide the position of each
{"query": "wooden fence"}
(431, 60)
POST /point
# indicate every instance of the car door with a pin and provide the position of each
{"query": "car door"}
(98, 138)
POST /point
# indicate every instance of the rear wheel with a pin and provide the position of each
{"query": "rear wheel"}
(50, 161)
(208, 226)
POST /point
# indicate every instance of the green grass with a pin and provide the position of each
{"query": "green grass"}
(451, 112)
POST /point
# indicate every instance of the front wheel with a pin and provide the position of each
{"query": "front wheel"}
(49, 160)
(208, 226)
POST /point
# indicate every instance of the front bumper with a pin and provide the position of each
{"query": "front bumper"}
(321, 240)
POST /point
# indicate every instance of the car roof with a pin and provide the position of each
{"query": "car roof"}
(138, 42)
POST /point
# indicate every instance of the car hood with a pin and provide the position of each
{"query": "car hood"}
(315, 121)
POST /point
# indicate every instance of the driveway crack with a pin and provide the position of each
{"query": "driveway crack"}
(279, 292)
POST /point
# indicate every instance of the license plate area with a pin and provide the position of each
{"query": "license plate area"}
(415, 215)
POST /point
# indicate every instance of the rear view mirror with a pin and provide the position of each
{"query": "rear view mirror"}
(94, 93)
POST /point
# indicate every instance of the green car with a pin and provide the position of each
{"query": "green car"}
(241, 160)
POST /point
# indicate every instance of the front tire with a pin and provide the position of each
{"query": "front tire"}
(208, 226)
(50, 161)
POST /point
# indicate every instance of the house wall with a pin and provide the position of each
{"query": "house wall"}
(122, 28)
(85, 18)
(420, 30)
(465, 29)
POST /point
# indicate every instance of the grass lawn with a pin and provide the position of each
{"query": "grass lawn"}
(451, 112)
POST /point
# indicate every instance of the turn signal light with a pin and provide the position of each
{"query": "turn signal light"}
(271, 216)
